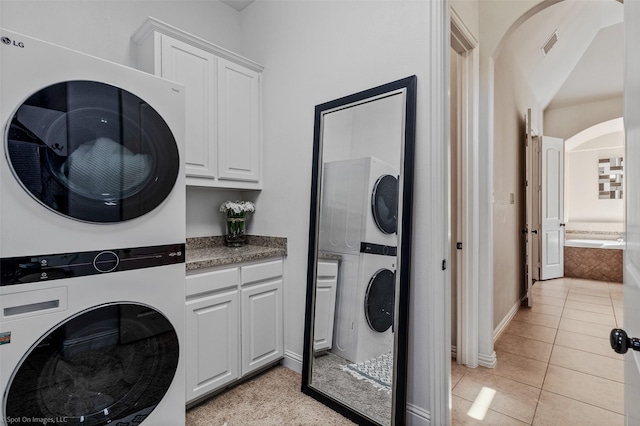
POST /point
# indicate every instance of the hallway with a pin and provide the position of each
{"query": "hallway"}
(555, 365)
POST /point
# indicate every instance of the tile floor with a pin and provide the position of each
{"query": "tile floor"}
(555, 365)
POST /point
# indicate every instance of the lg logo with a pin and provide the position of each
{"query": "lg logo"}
(9, 42)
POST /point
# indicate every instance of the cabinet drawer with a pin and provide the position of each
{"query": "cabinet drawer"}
(327, 268)
(212, 281)
(261, 271)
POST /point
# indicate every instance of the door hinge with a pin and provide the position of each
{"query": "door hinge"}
(444, 264)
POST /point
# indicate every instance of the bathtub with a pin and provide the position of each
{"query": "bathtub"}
(599, 260)
(602, 244)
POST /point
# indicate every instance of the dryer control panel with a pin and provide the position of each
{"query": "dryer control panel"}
(30, 269)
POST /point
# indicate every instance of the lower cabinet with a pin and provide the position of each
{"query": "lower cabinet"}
(234, 324)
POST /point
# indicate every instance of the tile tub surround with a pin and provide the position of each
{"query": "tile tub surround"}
(206, 252)
(593, 264)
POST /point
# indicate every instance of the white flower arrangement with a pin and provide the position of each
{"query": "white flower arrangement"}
(237, 207)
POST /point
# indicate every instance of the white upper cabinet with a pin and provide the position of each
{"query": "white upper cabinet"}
(223, 104)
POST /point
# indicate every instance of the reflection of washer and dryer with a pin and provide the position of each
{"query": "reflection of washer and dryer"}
(358, 221)
(92, 255)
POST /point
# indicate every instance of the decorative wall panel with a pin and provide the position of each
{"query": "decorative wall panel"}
(610, 171)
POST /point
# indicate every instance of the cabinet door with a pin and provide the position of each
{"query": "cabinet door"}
(326, 286)
(262, 333)
(212, 342)
(238, 122)
(197, 70)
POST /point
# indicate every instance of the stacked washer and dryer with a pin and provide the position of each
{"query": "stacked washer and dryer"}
(358, 222)
(92, 213)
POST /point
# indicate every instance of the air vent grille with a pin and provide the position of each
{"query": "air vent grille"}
(550, 43)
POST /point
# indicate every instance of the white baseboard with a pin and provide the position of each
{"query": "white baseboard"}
(505, 321)
(292, 361)
(488, 361)
(417, 416)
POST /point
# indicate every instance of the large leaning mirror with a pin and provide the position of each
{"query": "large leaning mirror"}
(356, 323)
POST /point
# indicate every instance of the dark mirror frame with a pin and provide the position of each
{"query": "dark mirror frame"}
(399, 397)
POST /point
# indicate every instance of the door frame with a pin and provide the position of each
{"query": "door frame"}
(465, 44)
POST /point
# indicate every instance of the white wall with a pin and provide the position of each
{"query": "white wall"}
(581, 182)
(313, 52)
(102, 28)
(512, 99)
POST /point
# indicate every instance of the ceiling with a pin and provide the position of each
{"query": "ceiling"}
(586, 63)
(238, 5)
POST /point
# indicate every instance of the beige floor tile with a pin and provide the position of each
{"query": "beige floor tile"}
(527, 315)
(595, 345)
(583, 387)
(589, 307)
(560, 284)
(617, 296)
(616, 288)
(541, 308)
(554, 410)
(524, 346)
(511, 398)
(519, 368)
(588, 328)
(603, 292)
(555, 301)
(589, 363)
(619, 313)
(606, 301)
(460, 416)
(593, 317)
(531, 331)
(617, 303)
(591, 284)
(457, 371)
(550, 293)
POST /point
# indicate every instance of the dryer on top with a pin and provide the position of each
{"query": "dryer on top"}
(92, 152)
(359, 204)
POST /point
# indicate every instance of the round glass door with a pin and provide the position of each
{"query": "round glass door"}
(92, 152)
(110, 365)
(384, 204)
(379, 300)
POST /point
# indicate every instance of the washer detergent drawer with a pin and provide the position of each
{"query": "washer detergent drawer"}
(26, 304)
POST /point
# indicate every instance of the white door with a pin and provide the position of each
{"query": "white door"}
(632, 254)
(552, 232)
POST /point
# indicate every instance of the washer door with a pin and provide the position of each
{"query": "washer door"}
(379, 300)
(92, 152)
(384, 204)
(109, 365)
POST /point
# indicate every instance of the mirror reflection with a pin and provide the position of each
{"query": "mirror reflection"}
(360, 181)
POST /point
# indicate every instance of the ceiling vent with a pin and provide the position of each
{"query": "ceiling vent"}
(550, 43)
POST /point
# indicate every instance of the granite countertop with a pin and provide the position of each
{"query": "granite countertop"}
(206, 252)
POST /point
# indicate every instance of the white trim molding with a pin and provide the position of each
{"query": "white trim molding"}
(417, 416)
(436, 113)
(292, 361)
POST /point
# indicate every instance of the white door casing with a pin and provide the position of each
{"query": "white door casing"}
(529, 149)
(632, 194)
(552, 232)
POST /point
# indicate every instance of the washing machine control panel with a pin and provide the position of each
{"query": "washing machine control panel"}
(29, 269)
(371, 248)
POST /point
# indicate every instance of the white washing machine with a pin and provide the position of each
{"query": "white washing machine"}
(92, 198)
(94, 350)
(363, 327)
(359, 204)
